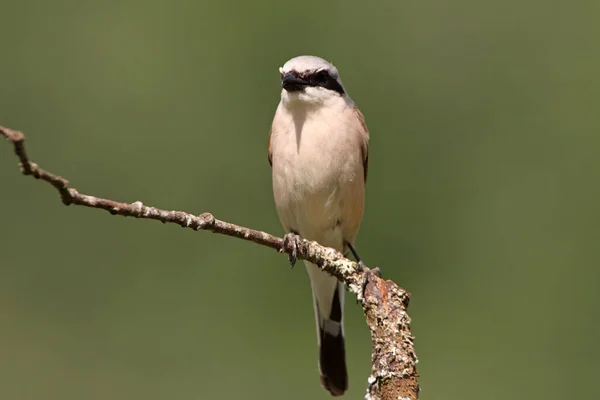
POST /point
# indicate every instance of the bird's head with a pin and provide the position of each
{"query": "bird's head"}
(310, 80)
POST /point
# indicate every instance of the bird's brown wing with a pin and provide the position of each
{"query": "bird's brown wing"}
(269, 152)
(364, 148)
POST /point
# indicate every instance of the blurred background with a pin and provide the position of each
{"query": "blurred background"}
(482, 195)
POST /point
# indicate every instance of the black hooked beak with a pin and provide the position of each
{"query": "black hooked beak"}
(292, 83)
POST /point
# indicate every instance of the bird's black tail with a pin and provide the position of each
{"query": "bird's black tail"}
(332, 362)
(332, 351)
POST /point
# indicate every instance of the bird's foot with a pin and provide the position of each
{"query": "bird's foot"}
(376, 271)
(367, 273)
(360, 266)
(294, 241)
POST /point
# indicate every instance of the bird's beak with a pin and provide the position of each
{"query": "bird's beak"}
(292, 83)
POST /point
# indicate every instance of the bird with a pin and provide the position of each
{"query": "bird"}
(318, 151)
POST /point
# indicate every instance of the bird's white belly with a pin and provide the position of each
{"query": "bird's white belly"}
(308, 188)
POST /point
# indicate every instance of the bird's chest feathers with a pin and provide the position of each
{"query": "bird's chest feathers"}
(314, 160)
(317, 172)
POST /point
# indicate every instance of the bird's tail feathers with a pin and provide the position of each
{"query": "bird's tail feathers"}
(332, 349)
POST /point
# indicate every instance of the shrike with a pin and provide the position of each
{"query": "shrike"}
(318, 151)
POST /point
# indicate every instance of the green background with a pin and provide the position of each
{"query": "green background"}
(482, 198)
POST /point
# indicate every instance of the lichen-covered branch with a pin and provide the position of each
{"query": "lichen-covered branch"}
(394, 375)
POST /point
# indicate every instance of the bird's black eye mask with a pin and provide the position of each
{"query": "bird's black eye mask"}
(294, 81)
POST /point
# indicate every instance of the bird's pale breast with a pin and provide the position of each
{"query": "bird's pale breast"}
(318, 177)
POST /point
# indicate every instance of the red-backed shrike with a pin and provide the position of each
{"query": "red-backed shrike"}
(318, 150)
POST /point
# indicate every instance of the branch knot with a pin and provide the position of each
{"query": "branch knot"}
(207, 221)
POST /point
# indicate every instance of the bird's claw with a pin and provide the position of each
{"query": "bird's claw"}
(363, 268)
(360, 266)
(294, 241)
(377, 271)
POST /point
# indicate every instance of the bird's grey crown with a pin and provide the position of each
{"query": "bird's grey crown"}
(308, 64)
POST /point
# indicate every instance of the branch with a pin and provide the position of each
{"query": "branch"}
(393, 375)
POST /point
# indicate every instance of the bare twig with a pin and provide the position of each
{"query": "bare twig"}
(394, 374)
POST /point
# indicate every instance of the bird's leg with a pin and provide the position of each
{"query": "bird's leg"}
(362, 267)
(292, 239)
